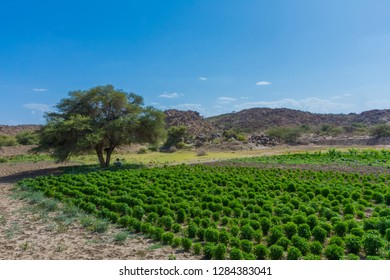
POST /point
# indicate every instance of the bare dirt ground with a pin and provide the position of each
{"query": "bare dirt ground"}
(27, 234)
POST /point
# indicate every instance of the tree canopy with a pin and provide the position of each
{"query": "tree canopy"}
(100, 119)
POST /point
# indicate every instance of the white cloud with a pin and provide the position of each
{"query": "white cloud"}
(39, 89)
(169, 95)
(226, 100)
(37, 108)
(348, 94)
(313, 104)
(263, 83)
(190, 106)
(203, 78)
(377, 104)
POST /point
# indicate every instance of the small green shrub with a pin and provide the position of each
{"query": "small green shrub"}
(261, 252)
(235, 254)
(220, 252)
(186, 243)
(334, 252)
(294, 253)
(276, 252)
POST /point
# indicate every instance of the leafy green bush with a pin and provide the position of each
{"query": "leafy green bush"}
(235, 254)
(186, 243)
(334, 252)
(372, 242)
(293, 253)
(220, 252)
(290, 229)
(246, 246)
(197, 248)
(380, 130)
(319, 234)
(7, 141)
(27, 138)
(276, 252)
(261, 252)
(353, 243)
(316, 247)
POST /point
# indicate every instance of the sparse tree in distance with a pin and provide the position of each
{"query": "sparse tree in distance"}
(99, 119)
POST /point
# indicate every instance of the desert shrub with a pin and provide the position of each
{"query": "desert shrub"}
(312, 221)
(293, 253)
(265, 225)
(186, 243)
(316, 248)
(357, 231)
(27, 138)
(261, 252)
(197, 248)
(304, 231)
(200, 233)
(341, 228)
(337, 240)
(286, 134)
(246, 246)
(372, 242)
(167, 238)
(157, 233)
(276, 252)
(319, 234)
(380, 130)
(275, 233)
(290, 229)
(211, 235)
(301, 243)
(6, 140)
(247, 232)
(224, 237)
(334, 252)
(220, 252)
(353, 243)
(235, 254)
(176, 242)
(284, 242)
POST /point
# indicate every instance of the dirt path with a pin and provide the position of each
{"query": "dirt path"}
(28, 233)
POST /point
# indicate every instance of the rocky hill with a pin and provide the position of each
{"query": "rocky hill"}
(195, 123)
(12, 130)
(257, 119)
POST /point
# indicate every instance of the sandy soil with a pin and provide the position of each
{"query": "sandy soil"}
(25, 233)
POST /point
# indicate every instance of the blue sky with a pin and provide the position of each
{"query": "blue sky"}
(212, 56)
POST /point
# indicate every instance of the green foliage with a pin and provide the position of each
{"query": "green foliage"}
(99, 120)
(27, 138)
(177, 135)
(261, 252)
(380, 130)
(276, 252)
(353, 244)
(316, 247)
(319, 234)
(197, 248)
(334, 252)
(235, 254)
(287, 134)
(186, 243)
(6, 140)
(372, 243)
(294, 253)
(220, 252)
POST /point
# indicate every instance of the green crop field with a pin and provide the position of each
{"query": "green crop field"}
(351, 157)
(239, 212)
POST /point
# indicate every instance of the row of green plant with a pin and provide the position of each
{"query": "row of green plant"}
(237, 212)
(368, 157)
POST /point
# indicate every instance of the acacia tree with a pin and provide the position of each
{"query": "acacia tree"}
(99, 119)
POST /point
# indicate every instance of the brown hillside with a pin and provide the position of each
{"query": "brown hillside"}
(256, 119)
(12, 130)
(195, 123)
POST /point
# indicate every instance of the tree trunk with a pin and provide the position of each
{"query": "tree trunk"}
(99, 153)
(108, 155)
